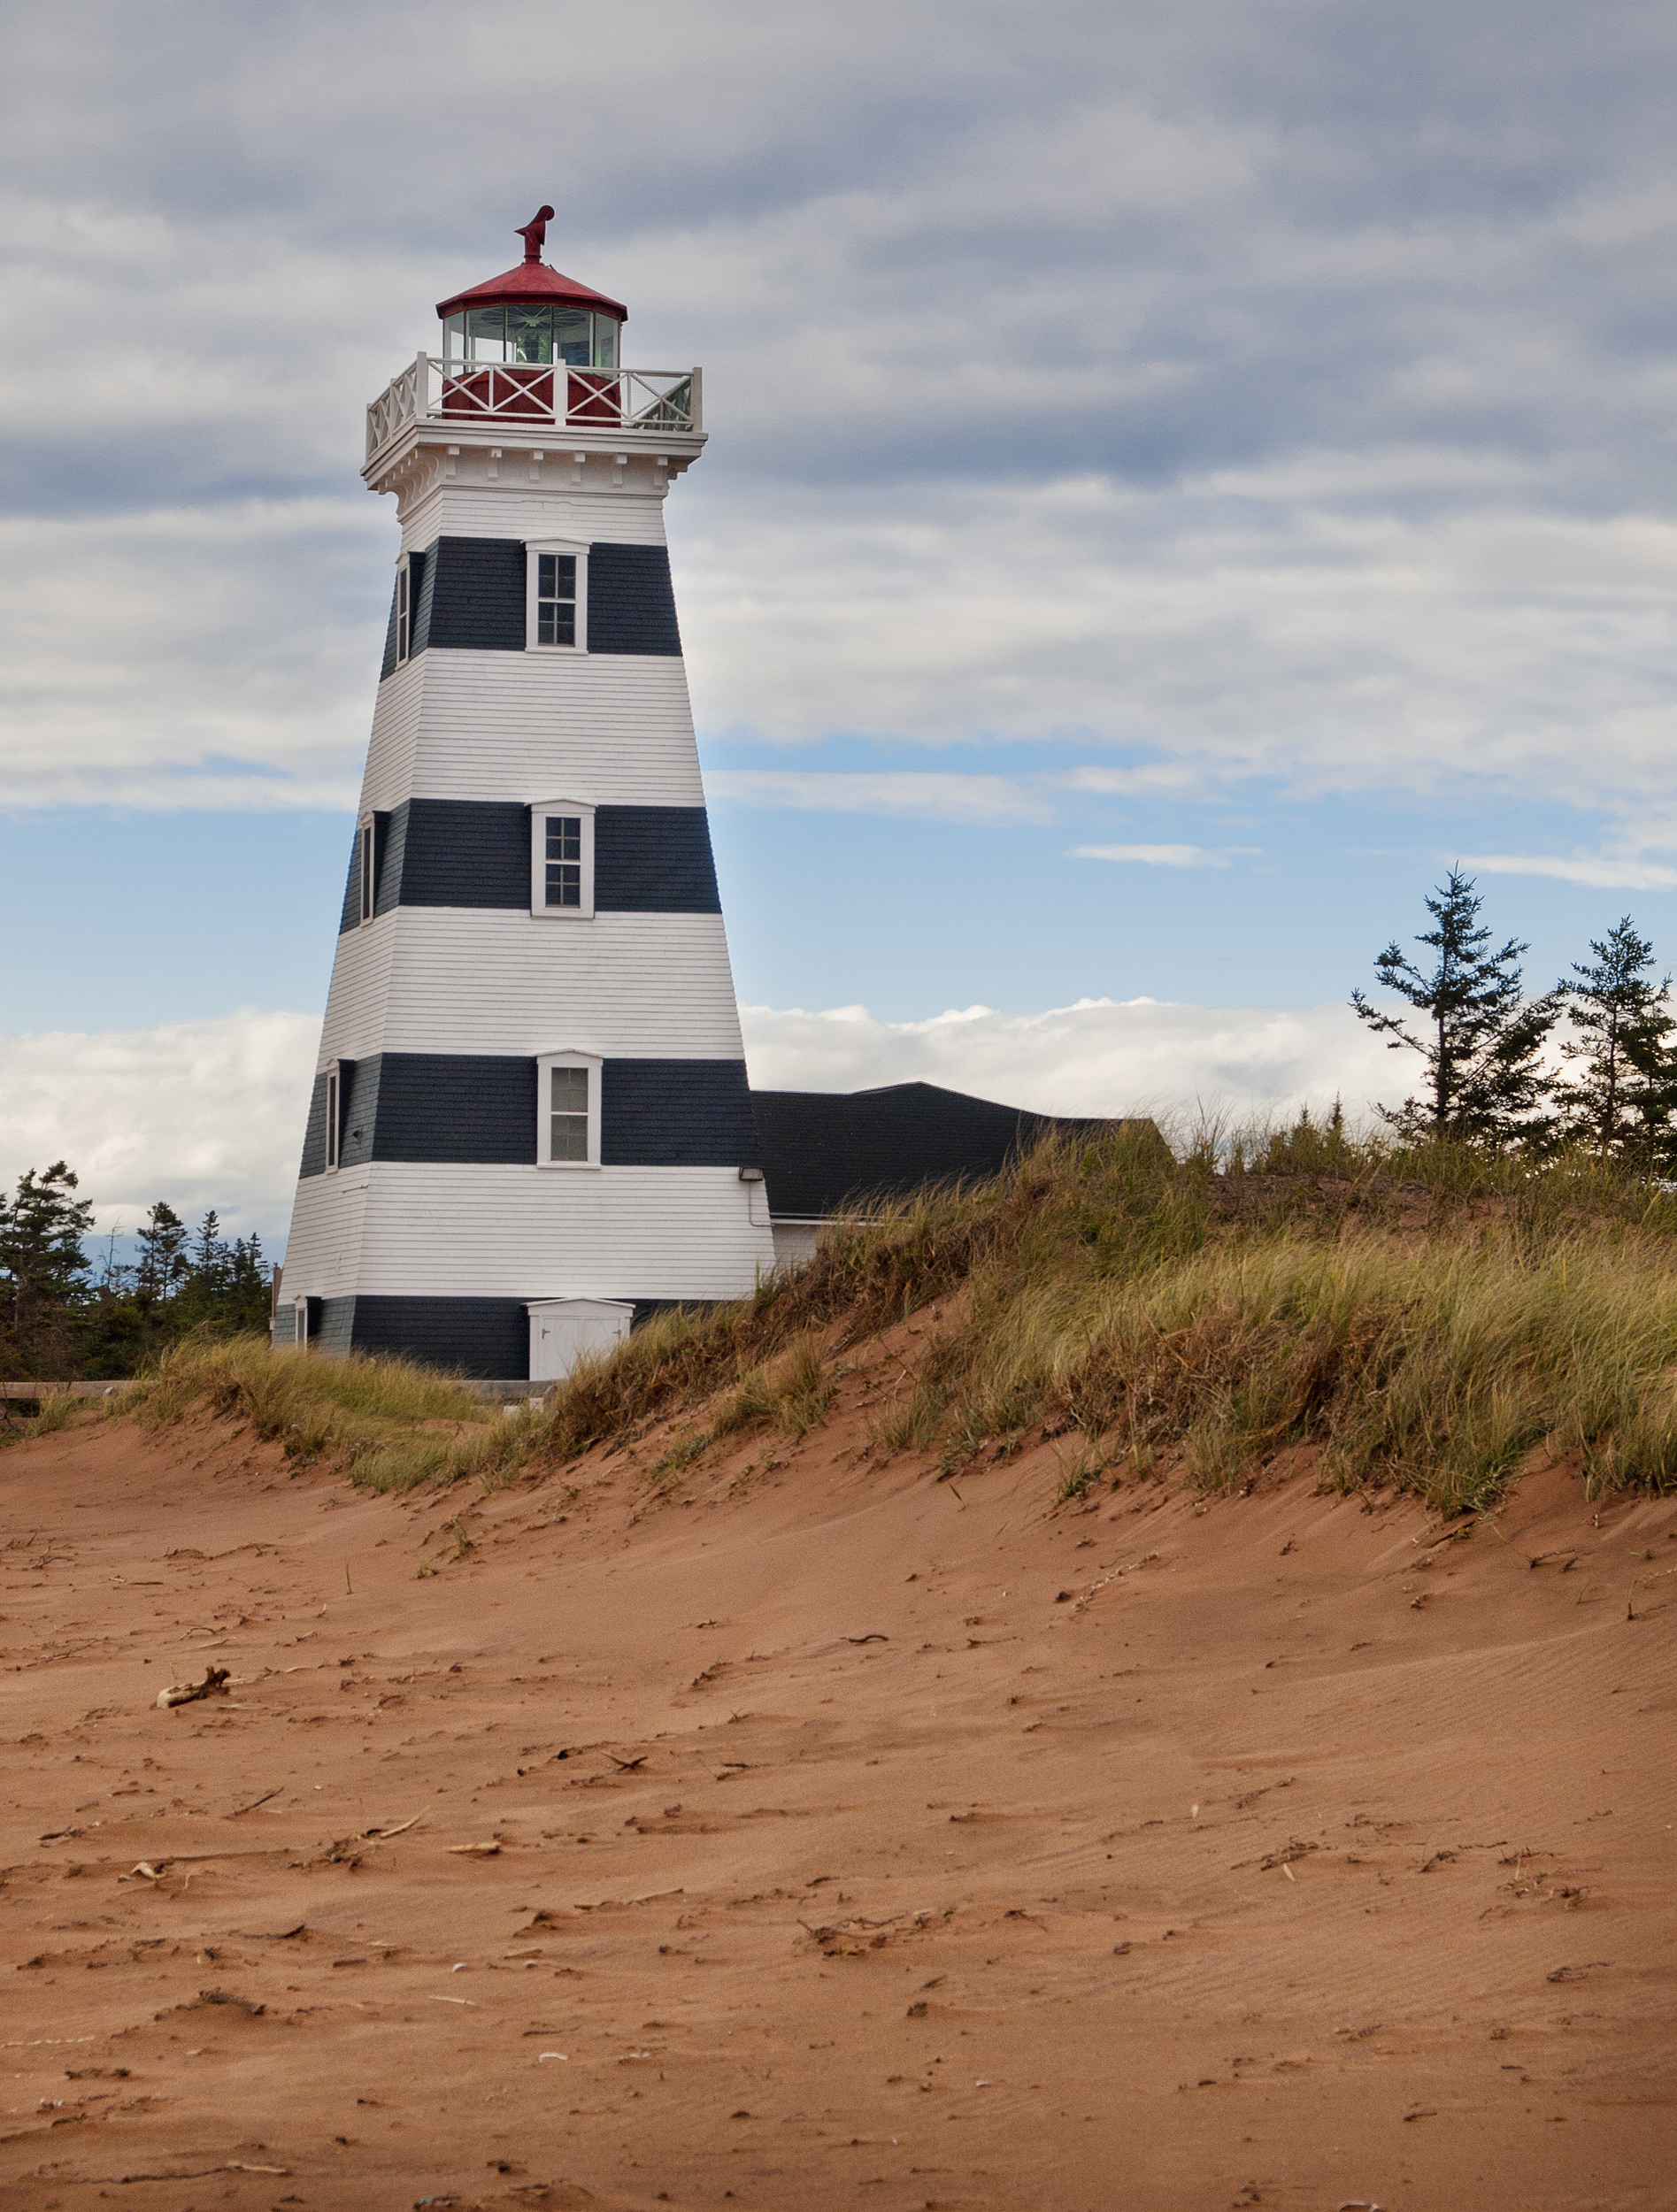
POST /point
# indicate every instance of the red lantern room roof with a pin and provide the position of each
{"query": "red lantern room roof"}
(533, 282)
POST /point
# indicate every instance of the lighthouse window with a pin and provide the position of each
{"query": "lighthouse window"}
(334, 1118)
(368, 856)
(562, 859)
(555, 599)
(568, 1107)
(569, 1139)
(403, 625)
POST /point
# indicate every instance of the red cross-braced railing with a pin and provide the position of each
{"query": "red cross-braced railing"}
(527, 394)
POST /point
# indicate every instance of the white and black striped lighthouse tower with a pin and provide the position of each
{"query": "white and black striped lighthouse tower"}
(530, 1116)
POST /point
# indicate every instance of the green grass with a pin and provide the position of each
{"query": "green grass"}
(1423, 1315)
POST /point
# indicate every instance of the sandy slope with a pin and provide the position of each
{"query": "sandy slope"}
(864, 1841)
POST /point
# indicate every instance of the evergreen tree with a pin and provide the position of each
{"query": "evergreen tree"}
(1623, 1080)
(162, 1266)
(43, 1269)
(1483, 1040)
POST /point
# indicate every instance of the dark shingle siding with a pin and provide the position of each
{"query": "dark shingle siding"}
(473, 596)
(314, 1131)
(489, 1337)
(465, 852)
(474, 1108)
(476, 852)
(388, 665)
(676, 1113)
(631, 601)
(654, 860)
(478, 1109)
(351, 916)
(821, 1148)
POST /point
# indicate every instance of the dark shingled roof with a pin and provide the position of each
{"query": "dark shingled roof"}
(821, 1148)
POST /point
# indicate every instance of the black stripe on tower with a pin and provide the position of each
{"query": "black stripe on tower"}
(477, 1110)
(487, 1338)
(467, 594)
(476, 853)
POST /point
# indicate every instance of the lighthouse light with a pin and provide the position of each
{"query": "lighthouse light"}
(539, 334)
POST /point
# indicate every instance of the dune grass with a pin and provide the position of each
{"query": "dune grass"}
(393, 1423)
(1424, 1316)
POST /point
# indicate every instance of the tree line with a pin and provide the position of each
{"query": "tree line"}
(63, 1314)
(1492, 1079)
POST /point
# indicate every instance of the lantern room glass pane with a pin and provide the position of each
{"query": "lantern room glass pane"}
(486, 334)
(605, 341)
(571, 337)
(530, 334)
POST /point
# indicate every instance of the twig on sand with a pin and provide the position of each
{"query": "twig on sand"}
(252, 1807)
(215, 1679)
(383, 1835)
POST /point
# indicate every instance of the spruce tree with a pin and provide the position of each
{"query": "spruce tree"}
(43, 1269)
(163, 1254)
(1621, 1088)
(1483, 1040)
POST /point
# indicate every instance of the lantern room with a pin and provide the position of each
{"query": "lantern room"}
(533, 314)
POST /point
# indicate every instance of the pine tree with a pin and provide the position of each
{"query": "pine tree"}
(43, 1269)
(1624, 1088)
(1485, 1079)
(162, 1264)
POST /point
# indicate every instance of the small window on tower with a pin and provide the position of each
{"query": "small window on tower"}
(569, 1102)
(367, 857)
(333, 1117)
(562, 859)
(568, 1109)
(565, 860)
(404, 625)
(555, 599)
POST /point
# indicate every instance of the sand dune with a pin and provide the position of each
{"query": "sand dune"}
(820, 1834)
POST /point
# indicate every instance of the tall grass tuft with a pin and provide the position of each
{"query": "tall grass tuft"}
(1424, 1316)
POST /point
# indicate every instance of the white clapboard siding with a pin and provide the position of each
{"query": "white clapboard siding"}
(323, 1256)
(441, 978)
(360, 990)
(515, 508)
(396, 734)
(611, 727)
(437, 1230)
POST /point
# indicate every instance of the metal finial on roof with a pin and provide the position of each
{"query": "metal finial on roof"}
(534, 233)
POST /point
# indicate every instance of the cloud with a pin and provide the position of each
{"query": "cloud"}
(1095, 1057)
(1153, 855)
(920, 795)
(1164, 380)
(206, 1113)
(1596, 869)
(211, 1113)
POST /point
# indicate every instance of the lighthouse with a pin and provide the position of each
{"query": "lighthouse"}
(530, 1122)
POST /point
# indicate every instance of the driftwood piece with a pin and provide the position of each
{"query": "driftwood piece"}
(214, 1682)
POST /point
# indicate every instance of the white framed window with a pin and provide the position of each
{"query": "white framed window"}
(567, 1109)
(403, 611)
(366, 867)
(556, 614)
(562, 859)
(334, 1115)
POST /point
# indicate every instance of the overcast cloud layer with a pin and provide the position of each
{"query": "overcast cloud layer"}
(1278, 389)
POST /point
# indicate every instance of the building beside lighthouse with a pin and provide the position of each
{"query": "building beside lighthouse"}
(530, 1123)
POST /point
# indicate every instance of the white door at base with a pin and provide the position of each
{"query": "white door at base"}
(566, 1330)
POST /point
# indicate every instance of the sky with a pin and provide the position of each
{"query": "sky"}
(1180, 480)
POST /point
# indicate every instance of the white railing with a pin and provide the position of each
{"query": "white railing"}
(514, 394)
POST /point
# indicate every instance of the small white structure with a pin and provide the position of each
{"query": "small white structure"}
(530, 1118)
(563, 1331)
